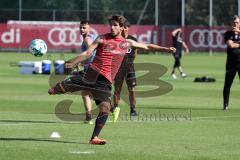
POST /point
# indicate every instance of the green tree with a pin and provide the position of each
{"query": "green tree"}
(197, 12)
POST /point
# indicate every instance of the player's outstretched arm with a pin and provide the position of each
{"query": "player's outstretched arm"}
(84, 55)
(150, 47)
(154, 47)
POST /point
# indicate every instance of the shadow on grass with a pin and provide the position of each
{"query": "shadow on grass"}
(37, 140)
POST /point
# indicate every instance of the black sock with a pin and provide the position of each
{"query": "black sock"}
(132, 107)
(99, 124)
(88, 116)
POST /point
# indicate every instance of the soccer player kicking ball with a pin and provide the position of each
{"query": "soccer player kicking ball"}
(111, 48)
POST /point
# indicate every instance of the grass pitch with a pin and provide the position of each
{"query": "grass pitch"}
(185, 124)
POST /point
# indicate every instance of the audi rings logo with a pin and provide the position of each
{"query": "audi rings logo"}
(66, 36)
(207, 38)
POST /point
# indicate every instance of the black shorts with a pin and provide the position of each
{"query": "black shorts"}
(126, 72)
(177, 55)
(93, 82)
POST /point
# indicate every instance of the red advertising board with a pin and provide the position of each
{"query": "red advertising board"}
(66, 36)
(61, 36)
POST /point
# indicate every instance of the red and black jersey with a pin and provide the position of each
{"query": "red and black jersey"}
(109, 56)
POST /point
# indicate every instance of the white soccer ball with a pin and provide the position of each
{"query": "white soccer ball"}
(38, 47)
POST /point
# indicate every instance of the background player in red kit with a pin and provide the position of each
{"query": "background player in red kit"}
(110, 51)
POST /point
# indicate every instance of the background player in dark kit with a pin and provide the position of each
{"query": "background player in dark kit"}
(179, 44)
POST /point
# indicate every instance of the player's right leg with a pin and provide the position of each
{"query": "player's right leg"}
(59, 88)
(69, 85)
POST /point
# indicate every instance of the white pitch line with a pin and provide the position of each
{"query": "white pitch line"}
(215, 117)
(121, 121)
(16, 124)
(82, 152)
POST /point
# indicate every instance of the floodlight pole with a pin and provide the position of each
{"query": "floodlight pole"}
(239, 7)
(210, 24)
(20, 10)
(156, 12)
(54, 15)
(183, 13)
(155, 32)
(88, 7)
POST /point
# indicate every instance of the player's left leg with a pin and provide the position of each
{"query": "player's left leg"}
(101, 93)
(183, 75)
(104, 108)
(132, 100)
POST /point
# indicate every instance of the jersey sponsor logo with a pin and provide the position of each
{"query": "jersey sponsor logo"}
(112, 47)
(206, 38)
